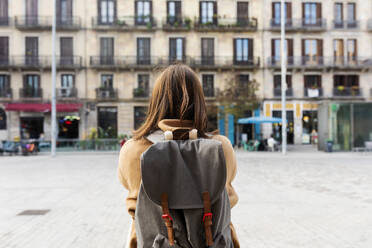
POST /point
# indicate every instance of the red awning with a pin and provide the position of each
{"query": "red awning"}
(42, 107)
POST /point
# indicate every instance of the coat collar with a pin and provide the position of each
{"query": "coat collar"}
(175, 124)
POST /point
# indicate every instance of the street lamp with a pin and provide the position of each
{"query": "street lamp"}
(283, 80)
(53, 111)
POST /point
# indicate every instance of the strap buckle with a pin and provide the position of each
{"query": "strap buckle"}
(167, 217)
(207, 215)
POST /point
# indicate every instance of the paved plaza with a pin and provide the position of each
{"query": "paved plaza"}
(307, 199)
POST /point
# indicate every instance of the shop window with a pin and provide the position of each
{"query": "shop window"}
(309, 127)
(107, 122)
(277, 127)
(32, 127)
(2, 119)
(68, 127)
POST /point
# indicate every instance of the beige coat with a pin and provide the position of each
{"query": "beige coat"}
(130, 173)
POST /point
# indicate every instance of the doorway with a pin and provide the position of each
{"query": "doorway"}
(277, 127)
(31, 127)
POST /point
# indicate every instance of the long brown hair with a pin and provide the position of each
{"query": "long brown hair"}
(177, 94)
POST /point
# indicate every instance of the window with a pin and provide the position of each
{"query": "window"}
(107, 81)
(276, 13)
(107, 122)
(312, 51)
(176, 49)
(276, 50)
(351, 15)
(2, 119)
(352, 50)
(207, 51)
(143, 12)
(106, 12)
(4, 50)
(243, 80)
(67, 81)
(143, 82)
(313, 85)
(31, 86)
(312, 13)
(339, 15)
(107, 51)
(243, 51)
(4, 18)
(143, 51)
(31, 12)
(208, 12)
(174, 12)
(338, 51)
(139, 116)
(208, 85)
(346, 85)
(242, 13)
(64, 12)
(278, 85)
(32, 50)
(67, 51)
(5, 90)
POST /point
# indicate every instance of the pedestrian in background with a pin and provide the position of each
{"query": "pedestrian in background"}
(177, 102)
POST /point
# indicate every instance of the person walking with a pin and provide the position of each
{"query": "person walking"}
(177, 111)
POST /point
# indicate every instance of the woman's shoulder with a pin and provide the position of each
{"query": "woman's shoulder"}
(134, 147)
(223, 139)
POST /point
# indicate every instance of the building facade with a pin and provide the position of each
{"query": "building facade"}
(109, 53)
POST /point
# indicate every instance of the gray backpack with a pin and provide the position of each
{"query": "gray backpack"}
(183, 202)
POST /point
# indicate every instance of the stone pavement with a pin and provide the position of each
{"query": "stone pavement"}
(306, 199)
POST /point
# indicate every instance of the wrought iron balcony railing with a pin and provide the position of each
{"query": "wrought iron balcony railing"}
(65, 62)
(278, 92)
(67, 93)
(346, 24)
(226, 24)
(313, 92)
(315, 61)
(6, 93)
(106, 93)
(125, 23)
(36, 93)
(175, 23)
(45, 22)
(224, 62)
(303, 24)
(341, 91)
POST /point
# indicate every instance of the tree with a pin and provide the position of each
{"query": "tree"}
(238, 96)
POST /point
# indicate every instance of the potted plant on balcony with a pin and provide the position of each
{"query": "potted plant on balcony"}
(121, 22)
(188, 22)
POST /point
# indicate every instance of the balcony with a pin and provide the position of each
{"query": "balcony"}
(141, 93)
(313, 92)
(126, 23)
(305, 25)
(106, 94)
(369, 25)
(351, 63)
(278, 92)
(67, 93)
(69, 62)
(347, 92)
(221, 62)
(45, 22)
(226, 25)
(174, 23)
(346, 24)
(31, 93)
(40, 62)
(6, 93)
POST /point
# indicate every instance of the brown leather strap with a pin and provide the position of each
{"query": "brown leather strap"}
(167, 218)
(207, 219)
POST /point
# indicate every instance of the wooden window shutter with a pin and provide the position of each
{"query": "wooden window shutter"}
(303, 47)
(178, 9)
(183, 48)
(319, 11)
(290, 47)
(272, 47)
(234, 48)
(150, 3)
(273, 10)
(215, 19)
(289, 10)
(200, 11)
(303, 10)
(320, 47)
(250, 49)
(115, 10)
